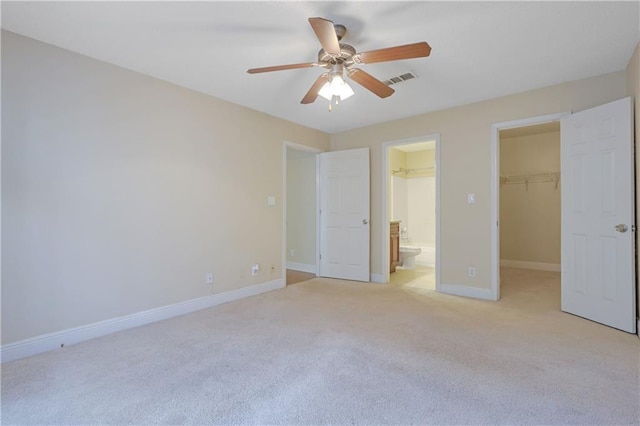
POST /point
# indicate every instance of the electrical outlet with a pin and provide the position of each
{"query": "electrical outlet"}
(255, 268)
(472, 271)
(210, 278)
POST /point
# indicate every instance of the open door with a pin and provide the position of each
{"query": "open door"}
(344, 214)
(598, 226)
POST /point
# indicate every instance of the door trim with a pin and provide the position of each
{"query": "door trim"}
(299, 147)
(384, 276)
(495, 188)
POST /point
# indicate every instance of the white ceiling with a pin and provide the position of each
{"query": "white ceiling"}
(481, 50)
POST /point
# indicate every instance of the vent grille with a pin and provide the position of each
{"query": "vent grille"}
(399, 79)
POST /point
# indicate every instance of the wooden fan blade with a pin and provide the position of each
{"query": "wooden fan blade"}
(370, 83)
(326, 34)
(283, 67)
(408, 51)
(312, 94)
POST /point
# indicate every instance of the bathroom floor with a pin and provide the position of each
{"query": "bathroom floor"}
(422, 278)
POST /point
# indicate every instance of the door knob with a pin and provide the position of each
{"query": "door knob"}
(365, 221)
(622, 228)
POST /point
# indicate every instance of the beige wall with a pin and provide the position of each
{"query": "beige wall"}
(465, 165)
(120, 191)
(633, 89)
(301, 207)
(530, 214)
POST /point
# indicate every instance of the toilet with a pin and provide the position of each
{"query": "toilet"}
(408, 256)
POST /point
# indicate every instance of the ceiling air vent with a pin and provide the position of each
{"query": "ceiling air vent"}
(399, 79)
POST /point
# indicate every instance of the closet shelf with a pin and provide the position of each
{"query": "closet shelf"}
(404, 171)
(531, 178)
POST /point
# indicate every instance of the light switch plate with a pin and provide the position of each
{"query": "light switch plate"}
(471, 198)
(271, 200)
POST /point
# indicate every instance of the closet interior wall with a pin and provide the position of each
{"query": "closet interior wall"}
(530, 200)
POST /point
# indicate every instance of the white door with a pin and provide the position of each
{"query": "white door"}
(598, 275)
(344, 214)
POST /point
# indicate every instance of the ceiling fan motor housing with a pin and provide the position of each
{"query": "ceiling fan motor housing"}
(341, 30)
(346, 53)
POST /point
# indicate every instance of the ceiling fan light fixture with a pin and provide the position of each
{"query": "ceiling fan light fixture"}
(336, 87)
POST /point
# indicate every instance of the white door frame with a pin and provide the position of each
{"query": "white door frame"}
(299, 147)
(384, 277)
(495, 189)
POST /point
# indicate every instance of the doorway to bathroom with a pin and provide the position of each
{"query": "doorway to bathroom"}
(411, 195)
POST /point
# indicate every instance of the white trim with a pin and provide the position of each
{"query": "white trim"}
(51, 341)
(438, 180)
(299, 147)
(466, 291)
(318, 201)
(539, 266)
(377, 278)
(495, 188)
(302, 267)
(385, 202)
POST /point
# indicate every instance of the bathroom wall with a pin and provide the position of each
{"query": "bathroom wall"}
(421, 206)
(413, 199)
(397, 159)
(400, 203)
(530, 214)
(422, 160)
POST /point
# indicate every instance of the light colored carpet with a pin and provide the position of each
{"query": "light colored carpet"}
(337, 352)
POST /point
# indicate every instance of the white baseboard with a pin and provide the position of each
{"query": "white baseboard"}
(377, 278)
(302, 267)
(466, 291)
(47, 342)
(553, 267)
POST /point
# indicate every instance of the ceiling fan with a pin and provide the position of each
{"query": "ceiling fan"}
(339, 58)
